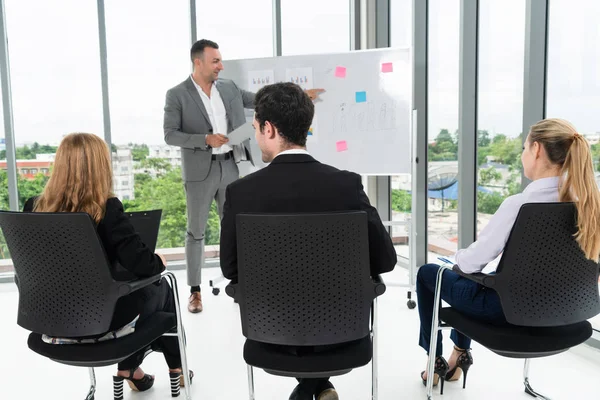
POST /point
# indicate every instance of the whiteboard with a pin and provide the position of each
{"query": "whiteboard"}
(363, 121)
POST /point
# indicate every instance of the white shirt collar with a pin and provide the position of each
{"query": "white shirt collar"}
(198, 86)
(543, 183)
(293, 151)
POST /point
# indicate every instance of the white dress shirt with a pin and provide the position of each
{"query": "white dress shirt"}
(487, 250)
(216, 114)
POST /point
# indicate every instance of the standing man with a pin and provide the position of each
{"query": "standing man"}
(199, 113)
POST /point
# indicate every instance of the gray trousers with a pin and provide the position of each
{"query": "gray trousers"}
(199, 197)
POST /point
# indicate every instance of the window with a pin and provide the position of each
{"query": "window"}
(33, 171)
(67, 96)
(574, 65)
(315, 26)
(401, 23)
(246, 32)
(24, 171)
(3, 191)
(500, 118)
(443, 81)
(401, 36)
(154, 58)
(573, 72)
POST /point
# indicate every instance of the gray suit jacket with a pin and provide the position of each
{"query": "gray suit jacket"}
(186, 124)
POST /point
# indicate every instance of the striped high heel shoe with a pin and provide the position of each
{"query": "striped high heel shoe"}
(139, 385)
(177, 382)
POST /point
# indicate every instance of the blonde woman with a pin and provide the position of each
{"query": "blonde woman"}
(558, 161)
(81, 181)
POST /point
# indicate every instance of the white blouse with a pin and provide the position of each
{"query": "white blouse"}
(486, 251)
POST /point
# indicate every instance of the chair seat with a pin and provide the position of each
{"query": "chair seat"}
(518, 341)
(108, 352)
(285, 361)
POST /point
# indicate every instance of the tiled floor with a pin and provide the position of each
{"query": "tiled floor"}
(215, 353)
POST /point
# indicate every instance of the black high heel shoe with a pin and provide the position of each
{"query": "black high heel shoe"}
(440, 370)
(463, 363)
(177, 382)
(139, 385)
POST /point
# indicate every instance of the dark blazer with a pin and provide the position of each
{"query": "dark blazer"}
(123, 247)
(297, 183)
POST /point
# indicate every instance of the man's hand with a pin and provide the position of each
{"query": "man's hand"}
(314, 93)
(162, 258)
(216, 140)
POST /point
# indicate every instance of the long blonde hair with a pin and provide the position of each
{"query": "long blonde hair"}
(571, 151)
(81, 179)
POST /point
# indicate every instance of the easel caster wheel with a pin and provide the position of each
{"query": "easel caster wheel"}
(411, 304)
(216, 291)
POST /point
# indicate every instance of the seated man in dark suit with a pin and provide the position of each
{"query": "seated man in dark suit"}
(295, 182)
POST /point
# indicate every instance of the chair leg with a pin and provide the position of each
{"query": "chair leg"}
(250, 382)
(528, 388)
(180, 337)
(92, 391)
(435, 327)
(374, 366)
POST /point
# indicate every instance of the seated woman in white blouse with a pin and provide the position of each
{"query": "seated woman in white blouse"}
(558, 161)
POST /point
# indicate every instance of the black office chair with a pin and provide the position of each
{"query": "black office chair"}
(147, 225)
(548, 291)
(304, 280)
(66, 290)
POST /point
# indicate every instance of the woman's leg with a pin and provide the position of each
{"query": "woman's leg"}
(132, 363)
(464, 295)
(168, 345)
(475, 301)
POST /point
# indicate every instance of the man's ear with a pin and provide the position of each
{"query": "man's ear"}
(270, 130)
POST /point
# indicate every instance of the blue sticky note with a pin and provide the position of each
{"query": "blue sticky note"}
(361, 97)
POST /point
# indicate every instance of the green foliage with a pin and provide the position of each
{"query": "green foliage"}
(30, 188)
(159, 165)
(401, 200)
(488, 175)
(483, 138)
(506, 150)
(488, 203)
(27, 188)
(167, 193)
(445, 147)
(139, 152)
(596, 155)
(29, 153)
(513, 183)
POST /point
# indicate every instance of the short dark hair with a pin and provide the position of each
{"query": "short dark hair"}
(199, 46)
(288, 108)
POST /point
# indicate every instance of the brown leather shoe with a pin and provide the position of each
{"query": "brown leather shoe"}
(195, 303)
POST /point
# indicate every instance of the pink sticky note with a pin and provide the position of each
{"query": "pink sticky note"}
(341, 145)
(340, 72)
(387, 67)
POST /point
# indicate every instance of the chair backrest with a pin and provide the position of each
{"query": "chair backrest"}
(543, 278)
(304, 279)
(147, 225)
(64, 281)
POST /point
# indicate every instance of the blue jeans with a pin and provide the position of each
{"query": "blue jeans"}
(465, 296)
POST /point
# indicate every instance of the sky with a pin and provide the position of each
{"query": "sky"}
(55, 62)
